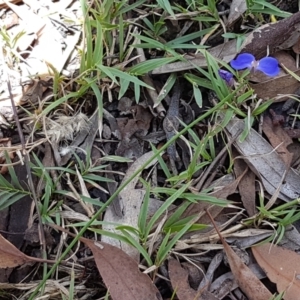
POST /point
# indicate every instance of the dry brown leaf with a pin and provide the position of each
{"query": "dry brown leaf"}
(286, 59)
(294, 148)
(246, 186)
(121, 274)
(45, 34)
(225, 283)
(246, 280)
(279, 139)
(180, 284)
(179, 281)
(285, 84)
(282, 267)
(11, 257)
(296, 47)
(244, 277)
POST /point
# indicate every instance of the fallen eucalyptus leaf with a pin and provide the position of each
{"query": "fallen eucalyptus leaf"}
(180, 284)
(245, 278)
(130, 202)
(265, 162)
(11, 257)
(282, 266)
(121, 273)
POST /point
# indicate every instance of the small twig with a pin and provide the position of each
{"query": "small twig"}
(213, 174)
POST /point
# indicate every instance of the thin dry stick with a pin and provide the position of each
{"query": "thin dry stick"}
(26, 160)
(213, 174)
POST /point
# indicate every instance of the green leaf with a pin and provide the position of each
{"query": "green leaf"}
(94, 177)
(261, 108)
(99, 98)
(162, 253)
(113, 73)
(166, 204)
(129, 229)
(46, 199)
(165, 4)
(60, 101)
(195, 227)
(149, 65)
(142, 219)
(244, 96)
(176, 215)
(248, 125)
(14, 179)
(197, 95)
(164, 250)
(153, 43)
(162, 163)
(132, 241)
(204, 19)
(95, 202)
(189, 37)
(206, 198)
(149, 24)
(185, 46)
(166, 88)
(116, 158)
(206, 83)
(124, 84)
(8, 198)
(98, 48)
(273, 10)
(4, 184)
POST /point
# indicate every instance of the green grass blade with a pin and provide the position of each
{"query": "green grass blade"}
(165, 206)
(9, 199)
(142, 220)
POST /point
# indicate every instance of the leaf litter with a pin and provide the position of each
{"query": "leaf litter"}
(99, 90)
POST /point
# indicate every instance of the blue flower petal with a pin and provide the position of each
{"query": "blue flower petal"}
(269, 66)
(243, 61)
(225, 75)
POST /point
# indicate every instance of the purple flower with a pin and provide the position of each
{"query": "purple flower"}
(227, 76)
(267, 65)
